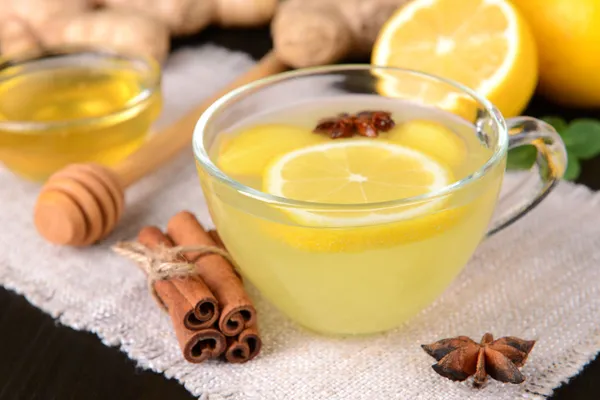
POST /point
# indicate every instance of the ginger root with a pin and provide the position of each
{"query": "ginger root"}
(16, 37)
(317, 32)
(22, 21)
(184, 17)
(130, 32)
(37, 13)
(136, 26)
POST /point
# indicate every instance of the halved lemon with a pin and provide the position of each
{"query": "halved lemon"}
(484, 44)
(356, 172)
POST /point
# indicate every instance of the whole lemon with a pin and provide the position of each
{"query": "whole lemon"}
(567, 33)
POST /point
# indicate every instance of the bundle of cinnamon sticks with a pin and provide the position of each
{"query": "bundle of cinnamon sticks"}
(211, 313)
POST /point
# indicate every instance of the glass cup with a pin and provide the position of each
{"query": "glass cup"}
(369, 277)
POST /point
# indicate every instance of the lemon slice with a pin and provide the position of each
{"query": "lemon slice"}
(249, 152)
(356, 172)
(432, 137)
(483, 44)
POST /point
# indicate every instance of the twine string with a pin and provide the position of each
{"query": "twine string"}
(164, 263)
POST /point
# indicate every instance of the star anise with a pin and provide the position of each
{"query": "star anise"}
(364, 123)
(459, 358)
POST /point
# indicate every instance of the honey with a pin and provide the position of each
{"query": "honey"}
(87, 107)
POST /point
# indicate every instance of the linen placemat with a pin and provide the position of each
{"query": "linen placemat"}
(539, 279)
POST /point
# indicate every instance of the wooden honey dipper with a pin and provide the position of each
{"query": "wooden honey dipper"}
(82, 203)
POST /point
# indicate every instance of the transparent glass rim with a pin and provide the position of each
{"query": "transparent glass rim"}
(202, 157)
(30, 58)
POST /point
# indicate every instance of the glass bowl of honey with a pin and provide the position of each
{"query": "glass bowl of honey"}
(73, 105)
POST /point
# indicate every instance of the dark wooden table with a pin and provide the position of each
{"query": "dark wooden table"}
(42, 360)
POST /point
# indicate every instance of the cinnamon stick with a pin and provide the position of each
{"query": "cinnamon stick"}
(244, 347)
(196, 345)
(237, 311)
(201, 305)
(214, 235)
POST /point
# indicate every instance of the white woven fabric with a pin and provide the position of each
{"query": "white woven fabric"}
(539, 279)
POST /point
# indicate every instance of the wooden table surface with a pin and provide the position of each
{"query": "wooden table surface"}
(42, 360)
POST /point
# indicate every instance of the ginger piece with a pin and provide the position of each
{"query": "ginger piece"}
(310, 32)
(113, 28)
(317, 32)
(185, 17)
(32, 24)
(134, 26)
(37, 13)
(244, 13)
(22, 21)
(182, 17)
(17, 37)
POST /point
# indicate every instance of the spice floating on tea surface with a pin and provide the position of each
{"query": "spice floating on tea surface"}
(370, 123)
(461, 357)
(364, 123)
(337, 127)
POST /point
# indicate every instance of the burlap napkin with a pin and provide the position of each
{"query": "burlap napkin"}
(540, 279)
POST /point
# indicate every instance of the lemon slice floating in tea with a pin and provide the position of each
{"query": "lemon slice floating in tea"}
(483, 44)
(431, 137)
(250, 152)
(356, 172)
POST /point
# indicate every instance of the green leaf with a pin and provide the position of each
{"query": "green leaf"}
(521, 157)
(582, 138)
(557, 122)
(573, 168)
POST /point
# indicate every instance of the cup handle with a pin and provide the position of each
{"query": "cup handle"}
(549, 167)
